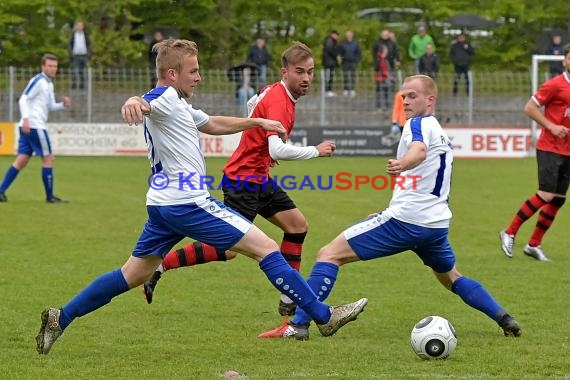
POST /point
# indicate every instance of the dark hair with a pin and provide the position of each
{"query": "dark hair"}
(566, 49)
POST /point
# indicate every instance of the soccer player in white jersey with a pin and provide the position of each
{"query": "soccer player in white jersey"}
(417, 218)
(183, 208)
(35, 103)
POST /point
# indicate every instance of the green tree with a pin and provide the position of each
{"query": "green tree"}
(120, 29)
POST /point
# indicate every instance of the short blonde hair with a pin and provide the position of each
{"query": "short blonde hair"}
(170, 54)
(428, 84)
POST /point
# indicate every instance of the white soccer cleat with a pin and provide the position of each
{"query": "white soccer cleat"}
(341, 315)
(507, 243)
(49, 330)
(535, 252)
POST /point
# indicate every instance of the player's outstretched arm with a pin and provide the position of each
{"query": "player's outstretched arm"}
(227, 125)
(134, 109)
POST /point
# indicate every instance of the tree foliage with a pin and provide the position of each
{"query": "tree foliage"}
(120, 29)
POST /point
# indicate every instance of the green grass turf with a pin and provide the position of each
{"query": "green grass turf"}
(205, 319)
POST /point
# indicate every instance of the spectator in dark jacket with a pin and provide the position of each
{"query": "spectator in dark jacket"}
(351, 54)
(555, 48)
(429, 63)
(392, 56)
(330, 60)
(259, 55)
(393, 52)
(460, 54)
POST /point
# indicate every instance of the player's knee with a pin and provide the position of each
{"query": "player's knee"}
(230, 255)
(327, 253)
(298, 225)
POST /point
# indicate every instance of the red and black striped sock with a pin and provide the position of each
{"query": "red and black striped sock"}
(292, 248)
(545, 220)
(527, 209)
(192, 254)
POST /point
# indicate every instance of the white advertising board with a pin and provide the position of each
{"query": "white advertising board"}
(84, 139)
(490, 142)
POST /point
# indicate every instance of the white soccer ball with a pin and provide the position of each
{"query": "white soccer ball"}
(433, 338)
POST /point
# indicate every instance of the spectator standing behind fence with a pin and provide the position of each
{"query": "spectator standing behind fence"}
(418, 44)
(156, 37)
(383, 81)
(460, 54)
(387, 39)
(259, 55)
(330, 61)
(351, 54)
(35, 103)
(429, 63)
(555, 48)
(79, 53)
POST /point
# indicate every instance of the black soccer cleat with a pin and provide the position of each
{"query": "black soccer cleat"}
(3, 197)
(148, 286)
(55, 199)
(510, 326)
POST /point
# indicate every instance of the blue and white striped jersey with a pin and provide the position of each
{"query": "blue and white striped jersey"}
(427, 204)
(37, 100)
(174, 151)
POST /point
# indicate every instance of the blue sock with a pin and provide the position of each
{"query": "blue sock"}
(475, 295)
(10, 176)
(321, 281)
(47, 177)
(97, 294)
(289, 282)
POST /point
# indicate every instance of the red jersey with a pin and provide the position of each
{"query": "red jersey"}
(251, 157)
(554, 95)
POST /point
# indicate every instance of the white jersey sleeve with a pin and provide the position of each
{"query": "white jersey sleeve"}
(278, 150)
(200, 117)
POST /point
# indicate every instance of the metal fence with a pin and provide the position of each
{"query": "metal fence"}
(495, 98)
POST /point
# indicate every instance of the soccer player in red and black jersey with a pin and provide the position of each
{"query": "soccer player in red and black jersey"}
(247, 185)
(553, 158)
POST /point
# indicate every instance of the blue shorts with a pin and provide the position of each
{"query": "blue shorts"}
(208, 221)
(381, 236)
(37, 141)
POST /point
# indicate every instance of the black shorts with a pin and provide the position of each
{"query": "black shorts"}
(251, 199)
(553, 172)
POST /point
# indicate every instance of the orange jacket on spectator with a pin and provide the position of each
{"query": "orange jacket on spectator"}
(398, 115)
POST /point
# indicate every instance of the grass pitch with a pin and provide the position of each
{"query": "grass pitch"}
(205, 319)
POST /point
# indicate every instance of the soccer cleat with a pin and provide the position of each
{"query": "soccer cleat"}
(510, 326)
(287, 309)
(287, 330)
(49, 331)
(507, 243)
(55, 199)
(148, 286)
(535, 252)
(3, 197)
(341, 315)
